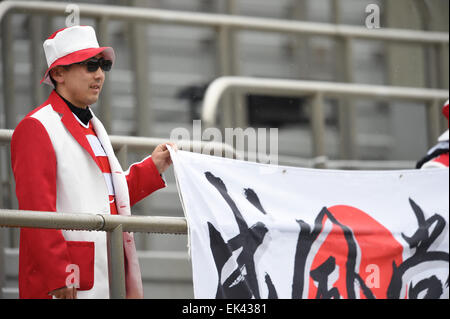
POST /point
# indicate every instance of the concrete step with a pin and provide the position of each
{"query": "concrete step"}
(10, 293)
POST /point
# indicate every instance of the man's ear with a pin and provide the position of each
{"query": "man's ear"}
(57, 73)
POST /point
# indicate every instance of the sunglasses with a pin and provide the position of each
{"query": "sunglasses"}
(92, 65)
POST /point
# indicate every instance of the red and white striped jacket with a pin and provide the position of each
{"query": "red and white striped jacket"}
(56, 169)
(102, 160)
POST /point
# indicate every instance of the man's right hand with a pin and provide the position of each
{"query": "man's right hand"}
(64, 293)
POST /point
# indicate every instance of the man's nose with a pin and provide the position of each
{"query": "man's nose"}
(99, 74)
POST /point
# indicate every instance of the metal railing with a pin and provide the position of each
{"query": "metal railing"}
(317, 91)
(122, 144)
(223, 24)
(114, 225)
(221, 20)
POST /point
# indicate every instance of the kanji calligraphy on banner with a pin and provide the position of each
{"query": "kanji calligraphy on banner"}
(265, 231)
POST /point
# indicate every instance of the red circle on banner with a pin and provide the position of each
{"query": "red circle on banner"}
(376, 250)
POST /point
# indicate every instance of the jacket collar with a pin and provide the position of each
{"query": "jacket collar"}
(84, 115)
(71, 124)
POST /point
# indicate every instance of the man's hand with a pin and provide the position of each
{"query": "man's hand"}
(64, 293)
(161, 156)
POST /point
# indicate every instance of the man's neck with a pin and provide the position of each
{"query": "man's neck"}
(69, 102)
(83, 114)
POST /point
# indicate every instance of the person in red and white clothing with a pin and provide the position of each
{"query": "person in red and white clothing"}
(437, 156)
(63, 161)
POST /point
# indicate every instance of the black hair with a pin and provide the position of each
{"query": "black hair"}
(50, 76)
(53, 81)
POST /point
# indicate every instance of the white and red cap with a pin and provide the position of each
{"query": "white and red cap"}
(71, 45)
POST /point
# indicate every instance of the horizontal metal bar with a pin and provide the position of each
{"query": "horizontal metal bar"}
(92, 222)
(146, 224)
(145, 143)
(50, 220)
(308, 88)
(230, 21)
(148, 143)
(345, 164)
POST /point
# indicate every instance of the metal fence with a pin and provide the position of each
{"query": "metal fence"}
(122, 145)
(224, 26)
(114, 225)
(317, 91)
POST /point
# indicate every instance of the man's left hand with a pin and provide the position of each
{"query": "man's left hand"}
(161, 156)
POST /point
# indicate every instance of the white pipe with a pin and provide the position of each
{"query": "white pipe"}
(305, 88)
(222, 20)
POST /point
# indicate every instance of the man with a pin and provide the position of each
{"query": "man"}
(63, 161)
(437, 156)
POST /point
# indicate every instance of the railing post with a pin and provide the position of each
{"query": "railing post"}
(318, 127)
(140, 63)
(116, 266)
(233, 114)
(237, 102)
(37, 60)
(344, 70)
(104, 102)
(432, 111)
(8, 71)
(2, 261)
(224, 69)
(2, 231)
(442, 49)
(300, 44)
(346, 110)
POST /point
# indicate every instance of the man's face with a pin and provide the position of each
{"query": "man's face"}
(78, 85)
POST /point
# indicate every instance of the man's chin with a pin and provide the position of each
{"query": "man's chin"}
(93, 100)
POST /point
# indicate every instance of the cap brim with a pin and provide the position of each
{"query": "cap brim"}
(79, 56)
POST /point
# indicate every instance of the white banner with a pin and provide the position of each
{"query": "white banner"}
(260, 231)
